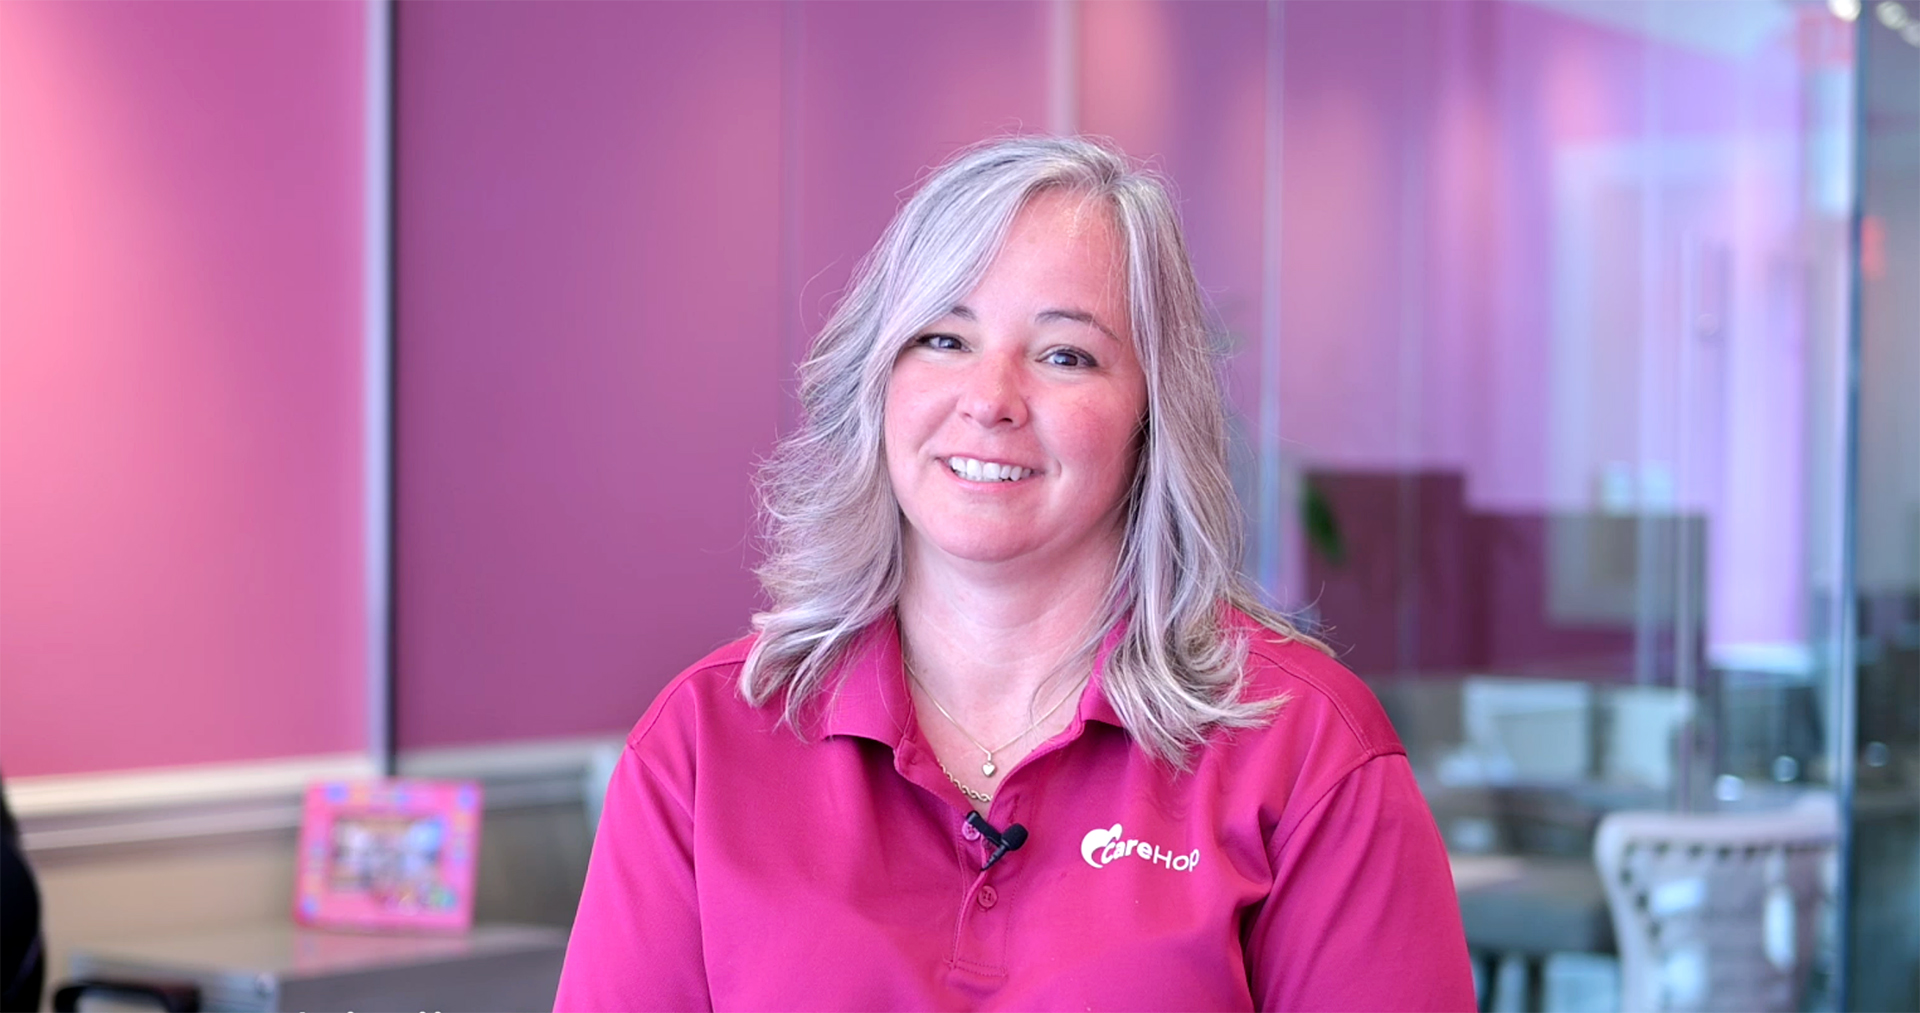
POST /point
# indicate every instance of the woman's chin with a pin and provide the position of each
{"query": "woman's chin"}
(1008, 552)
(983, 552)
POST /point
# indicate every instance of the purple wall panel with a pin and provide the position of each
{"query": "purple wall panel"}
(589, 353)
(885, 92)
(181, 545)
(591, 318)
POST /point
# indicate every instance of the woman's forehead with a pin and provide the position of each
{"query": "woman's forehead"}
(1080, 211)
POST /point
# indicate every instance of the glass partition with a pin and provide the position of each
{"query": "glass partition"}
(1562, 348)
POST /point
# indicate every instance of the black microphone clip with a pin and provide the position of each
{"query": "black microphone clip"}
(1002, 841)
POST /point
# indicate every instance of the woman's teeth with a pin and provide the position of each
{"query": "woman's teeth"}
(979, 471)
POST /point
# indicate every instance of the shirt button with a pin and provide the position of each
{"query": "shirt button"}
(967, 831)
(987, 897)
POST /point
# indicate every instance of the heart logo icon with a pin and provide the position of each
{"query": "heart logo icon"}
(1095, 840)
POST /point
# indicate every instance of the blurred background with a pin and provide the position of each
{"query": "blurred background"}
(381, 383)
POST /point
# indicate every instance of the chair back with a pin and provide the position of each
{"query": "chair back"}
(1718, 911)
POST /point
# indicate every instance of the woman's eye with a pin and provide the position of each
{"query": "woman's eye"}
(1072, 357)
(944, 342)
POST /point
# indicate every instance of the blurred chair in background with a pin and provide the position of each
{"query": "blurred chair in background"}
(1718, 911)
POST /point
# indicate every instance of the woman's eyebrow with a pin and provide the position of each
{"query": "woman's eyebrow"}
(1077, 316)
(1046, 316)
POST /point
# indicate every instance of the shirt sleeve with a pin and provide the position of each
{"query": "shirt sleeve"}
(1363, 914)
(636, 941)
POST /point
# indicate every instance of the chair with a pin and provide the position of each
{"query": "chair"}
(1718, 911)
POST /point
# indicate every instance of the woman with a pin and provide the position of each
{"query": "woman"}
(1015, 733)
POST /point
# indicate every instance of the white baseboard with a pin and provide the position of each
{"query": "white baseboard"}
(526, 773)
(64, 812)
(528, 758)
(33, 798)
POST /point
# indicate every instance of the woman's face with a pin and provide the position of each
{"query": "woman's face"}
(1011, 422)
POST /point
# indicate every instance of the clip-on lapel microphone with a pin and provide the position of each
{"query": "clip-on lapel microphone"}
(1014, 836)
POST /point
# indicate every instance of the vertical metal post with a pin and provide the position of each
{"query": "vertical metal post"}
(1063, 68)
(377, 357)
(1414, 168)
(793, 320)
(1649, 586)
(1269, 526)
(1843, 672)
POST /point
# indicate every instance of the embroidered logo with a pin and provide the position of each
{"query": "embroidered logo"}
(1103, 845)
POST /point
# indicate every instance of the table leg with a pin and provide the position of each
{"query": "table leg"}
(1536, 992)
(1487, 963)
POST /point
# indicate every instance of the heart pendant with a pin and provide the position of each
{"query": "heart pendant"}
(988, 768)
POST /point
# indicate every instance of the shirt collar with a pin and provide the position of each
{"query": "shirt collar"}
(870, 699)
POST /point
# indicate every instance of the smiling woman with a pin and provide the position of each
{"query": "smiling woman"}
(1006, 618)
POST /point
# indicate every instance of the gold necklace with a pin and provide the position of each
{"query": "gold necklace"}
(978, 796)
(988, 768)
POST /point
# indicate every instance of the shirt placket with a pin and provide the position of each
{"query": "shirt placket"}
(980, 940)
(982, 924)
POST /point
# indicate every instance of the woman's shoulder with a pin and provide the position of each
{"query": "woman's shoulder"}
(1327, 727)
(703, 692)
(1319, 691)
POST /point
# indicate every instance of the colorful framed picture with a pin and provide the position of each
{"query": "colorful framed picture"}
(388, 854)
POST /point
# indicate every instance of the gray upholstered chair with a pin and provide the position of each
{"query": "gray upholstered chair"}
(1718, 911)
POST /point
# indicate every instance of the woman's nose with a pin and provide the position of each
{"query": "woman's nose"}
(993, 395)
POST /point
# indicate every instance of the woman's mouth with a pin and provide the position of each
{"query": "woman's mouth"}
(986, 471)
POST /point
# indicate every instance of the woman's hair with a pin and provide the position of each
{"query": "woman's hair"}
(834, 528)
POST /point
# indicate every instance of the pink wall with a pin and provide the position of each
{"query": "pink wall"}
(181, 550)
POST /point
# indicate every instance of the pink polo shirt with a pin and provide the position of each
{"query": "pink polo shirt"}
(1295, 866)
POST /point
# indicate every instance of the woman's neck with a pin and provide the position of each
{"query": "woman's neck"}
(985, 641)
